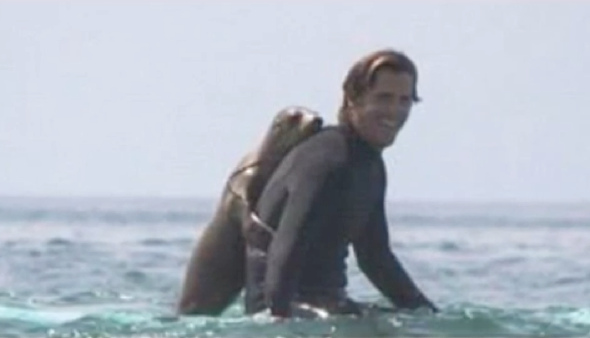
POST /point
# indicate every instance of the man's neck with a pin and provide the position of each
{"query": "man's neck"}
(359, 142)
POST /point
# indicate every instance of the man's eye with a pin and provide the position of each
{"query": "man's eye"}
(405, 100)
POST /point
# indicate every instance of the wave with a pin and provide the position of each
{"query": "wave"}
(195, 211)
(466, 320)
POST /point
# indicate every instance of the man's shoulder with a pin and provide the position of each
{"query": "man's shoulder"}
(329, 138)
(329, 145)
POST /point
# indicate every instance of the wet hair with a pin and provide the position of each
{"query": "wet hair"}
(362, 74)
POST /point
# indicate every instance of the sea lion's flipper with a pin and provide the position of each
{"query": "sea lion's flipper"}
(208, 289)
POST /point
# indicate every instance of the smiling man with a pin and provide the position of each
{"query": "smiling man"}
(329, 194)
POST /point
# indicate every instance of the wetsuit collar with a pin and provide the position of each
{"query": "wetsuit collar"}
(359, 143)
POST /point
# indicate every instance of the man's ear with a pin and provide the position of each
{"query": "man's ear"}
(350, 103)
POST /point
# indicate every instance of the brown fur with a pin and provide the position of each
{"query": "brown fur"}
(216, 270)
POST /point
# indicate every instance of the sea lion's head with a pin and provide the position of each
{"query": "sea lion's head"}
(290, 126)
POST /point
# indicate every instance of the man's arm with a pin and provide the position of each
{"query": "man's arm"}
(382, 267)
(307, 168)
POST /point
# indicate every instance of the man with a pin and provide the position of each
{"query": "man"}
(328, 193)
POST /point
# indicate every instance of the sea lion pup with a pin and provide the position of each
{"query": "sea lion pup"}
(215, 274)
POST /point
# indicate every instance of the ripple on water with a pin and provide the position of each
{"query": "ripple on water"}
(459, 320)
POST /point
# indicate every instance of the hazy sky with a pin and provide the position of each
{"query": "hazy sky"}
(144, 98)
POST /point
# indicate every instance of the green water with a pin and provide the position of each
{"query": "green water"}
(114, 269)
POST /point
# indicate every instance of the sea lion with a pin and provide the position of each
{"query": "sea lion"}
(215, 273)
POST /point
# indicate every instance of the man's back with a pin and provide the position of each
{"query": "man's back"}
(320, 195)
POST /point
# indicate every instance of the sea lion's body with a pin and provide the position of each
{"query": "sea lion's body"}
(216, 270)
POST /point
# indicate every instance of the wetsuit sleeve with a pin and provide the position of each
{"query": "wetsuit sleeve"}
(377, 261)
(306, 171)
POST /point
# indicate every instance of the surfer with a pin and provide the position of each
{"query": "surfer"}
(329, 193)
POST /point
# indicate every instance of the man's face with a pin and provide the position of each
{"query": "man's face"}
(381, 112)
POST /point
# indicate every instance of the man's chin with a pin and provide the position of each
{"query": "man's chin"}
(383, 142)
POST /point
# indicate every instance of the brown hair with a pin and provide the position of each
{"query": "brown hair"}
(361, 76)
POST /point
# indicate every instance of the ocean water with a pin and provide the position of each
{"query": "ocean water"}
(113, 268)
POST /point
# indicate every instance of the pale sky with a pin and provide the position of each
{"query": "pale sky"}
(161, 98)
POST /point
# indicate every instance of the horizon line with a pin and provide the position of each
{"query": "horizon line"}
(214, 199)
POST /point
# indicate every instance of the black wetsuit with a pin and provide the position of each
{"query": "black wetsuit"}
(326, 194)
